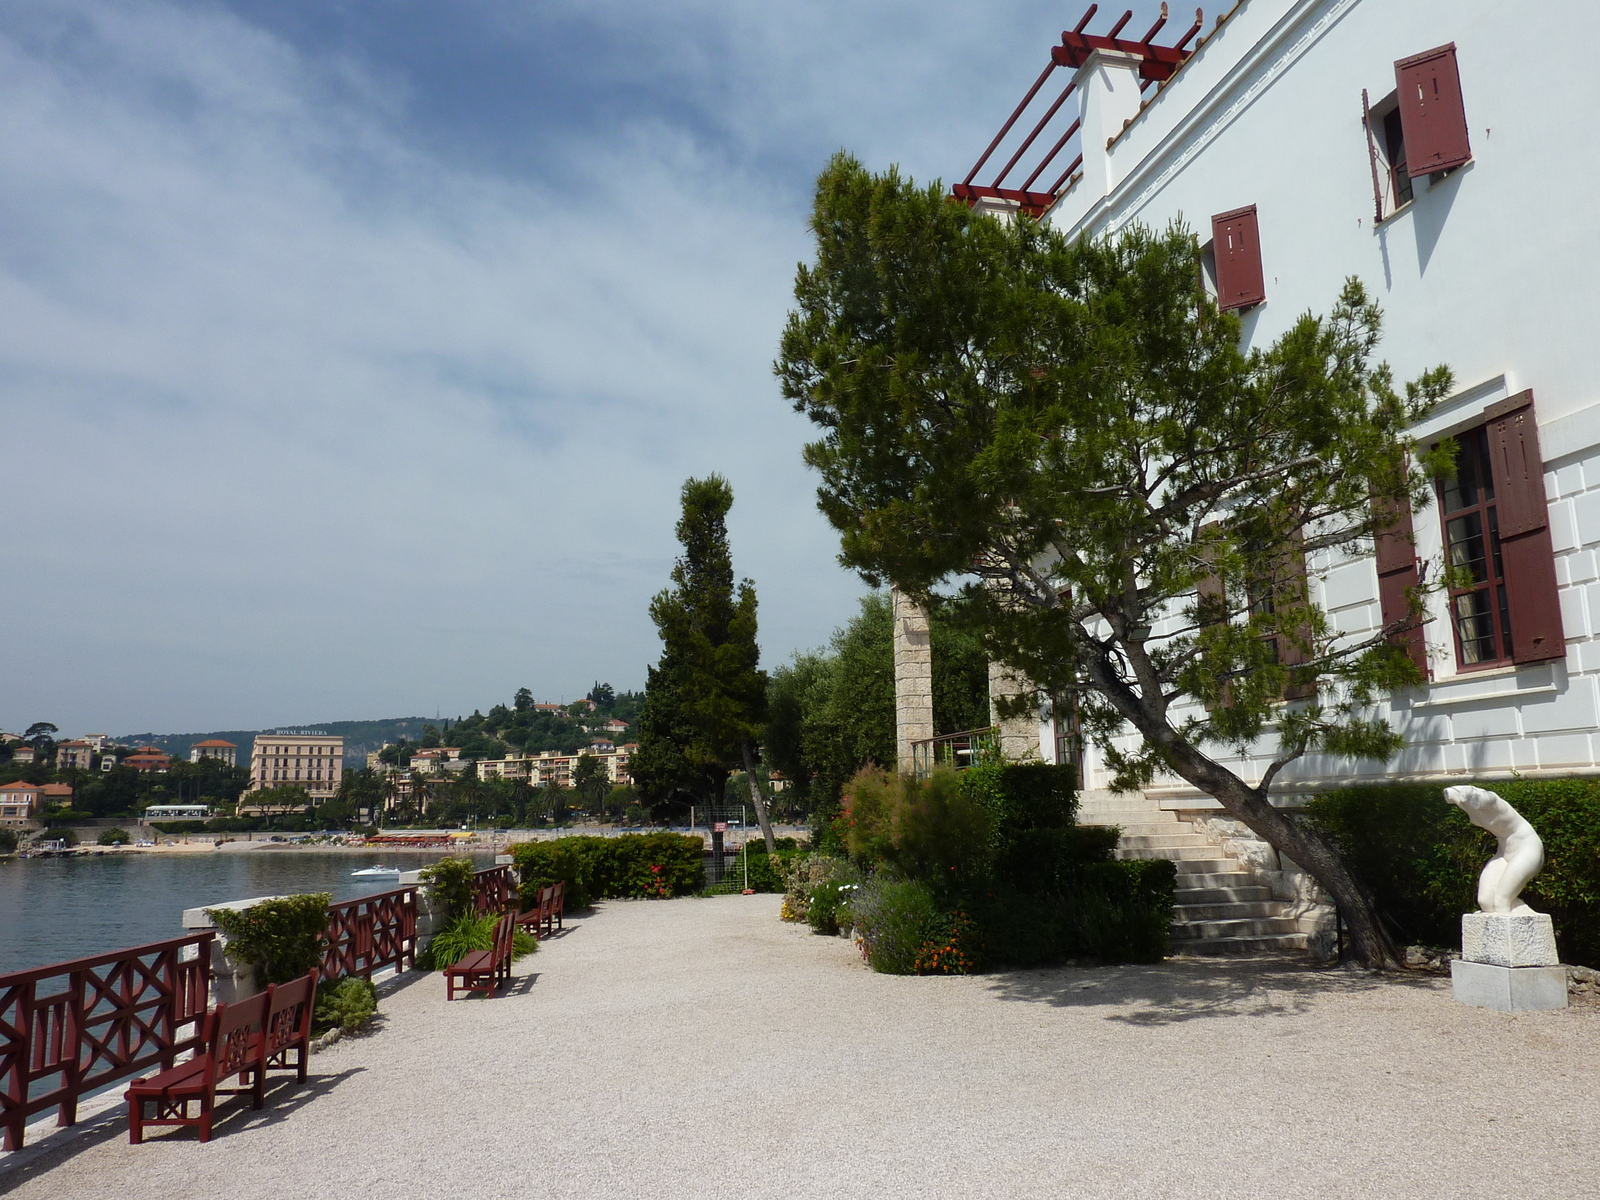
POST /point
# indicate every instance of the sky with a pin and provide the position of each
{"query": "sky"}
(352, 356)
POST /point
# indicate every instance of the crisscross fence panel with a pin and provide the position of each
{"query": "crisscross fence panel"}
(72, 1028)
(370, 933)
(493, 890)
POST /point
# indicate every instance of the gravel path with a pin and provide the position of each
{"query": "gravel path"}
(701, 1048)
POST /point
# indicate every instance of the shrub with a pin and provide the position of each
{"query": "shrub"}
(347, 1004)
(1421, 856)
(803, 873)
(930, 829)
(828, 906)
(952, 944)
(893, 918)
(597, 868)
(281, 938)
(457, 940)
(1117, 912)
(765, 872)
(449, 882)
(114, 837)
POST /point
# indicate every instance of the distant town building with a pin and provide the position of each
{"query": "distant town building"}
(216, 748)
(551, 768)
(77, 755)
(613, 725)
(149, 758)
(97, 741)
(314, 761)
(23, 753)
(58, 793)
(437, 760)
(374, 758)
(178, 812)
(18, 803)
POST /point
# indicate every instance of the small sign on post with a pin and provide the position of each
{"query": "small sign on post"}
(719, 827)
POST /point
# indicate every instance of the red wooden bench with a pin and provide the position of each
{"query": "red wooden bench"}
(533, 921)
(287, 1043)
(558, 906)
(484, 970)
(232, 1046)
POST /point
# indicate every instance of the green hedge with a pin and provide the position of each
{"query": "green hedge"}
(599, 868)
(1421, 856)
(1118, 912)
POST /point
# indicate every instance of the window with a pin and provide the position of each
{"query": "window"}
(1480, 611)
(1236, 259)
(1504, 607)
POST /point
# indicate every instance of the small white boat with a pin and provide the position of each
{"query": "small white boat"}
(377, 871)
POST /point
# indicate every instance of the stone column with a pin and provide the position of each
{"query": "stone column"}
(913, 677)
(1019, 736)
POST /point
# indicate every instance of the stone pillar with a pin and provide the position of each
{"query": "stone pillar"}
(230, 980)
(913, 677)
(1019, 736)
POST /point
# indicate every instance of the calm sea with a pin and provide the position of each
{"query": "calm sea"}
(54, 909)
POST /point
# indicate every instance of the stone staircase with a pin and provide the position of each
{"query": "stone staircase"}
(1222, 907)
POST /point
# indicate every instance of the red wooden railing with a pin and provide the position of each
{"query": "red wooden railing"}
(69, 1029)
(493, 890)
(372, 932)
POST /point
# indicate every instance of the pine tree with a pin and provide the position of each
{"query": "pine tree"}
(705, 701)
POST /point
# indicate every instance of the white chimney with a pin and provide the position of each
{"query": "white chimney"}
(1108, 91)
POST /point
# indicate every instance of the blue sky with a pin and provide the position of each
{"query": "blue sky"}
(353, 355)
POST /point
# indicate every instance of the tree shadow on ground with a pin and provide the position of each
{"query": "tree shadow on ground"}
(1190, 989)
(285, 1095)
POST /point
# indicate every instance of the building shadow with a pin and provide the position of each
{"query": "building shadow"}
(1191, 989)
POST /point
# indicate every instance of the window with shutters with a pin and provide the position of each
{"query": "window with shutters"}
(1503, 601)
(1419, 129)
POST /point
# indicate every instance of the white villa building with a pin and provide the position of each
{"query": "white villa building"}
(1437, 150)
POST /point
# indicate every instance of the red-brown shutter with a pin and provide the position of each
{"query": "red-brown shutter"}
(1432, 114)
(1236, 243)
(1397, 574)
(1293, 650)
(1524, 520)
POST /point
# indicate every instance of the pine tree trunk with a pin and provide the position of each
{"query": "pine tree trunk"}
(756, 798)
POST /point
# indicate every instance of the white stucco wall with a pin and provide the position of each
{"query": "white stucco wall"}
(1491, 271)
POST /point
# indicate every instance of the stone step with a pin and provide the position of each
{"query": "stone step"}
(1226, 910)
(1242, 927)
(1202, 852)
(1163, 841)
(1223, 875)
(1152, 829)
(1244, 894)
(1188, 867)
(1277, 943)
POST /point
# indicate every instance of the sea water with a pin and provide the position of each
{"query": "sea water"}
(55, 909)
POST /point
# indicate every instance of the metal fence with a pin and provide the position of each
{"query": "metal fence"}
(959, 750)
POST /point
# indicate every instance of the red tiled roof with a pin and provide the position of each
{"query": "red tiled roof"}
(216, 742)
(21, 787)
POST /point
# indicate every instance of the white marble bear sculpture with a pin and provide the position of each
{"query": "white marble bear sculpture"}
(1519, 858)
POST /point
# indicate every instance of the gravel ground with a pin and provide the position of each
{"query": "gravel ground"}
(701, 1048)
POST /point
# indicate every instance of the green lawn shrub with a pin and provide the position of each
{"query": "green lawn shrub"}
(931, 829)
(1421, 856)
(455, 941)
(828, 906)
(346, 1004)
(893, 919)
(765, 872)
(634, 865)
(281, 938)
(114, 837)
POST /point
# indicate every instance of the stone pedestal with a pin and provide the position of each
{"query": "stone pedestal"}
(1509, 989)
(1509, 963)
(1520, 939)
